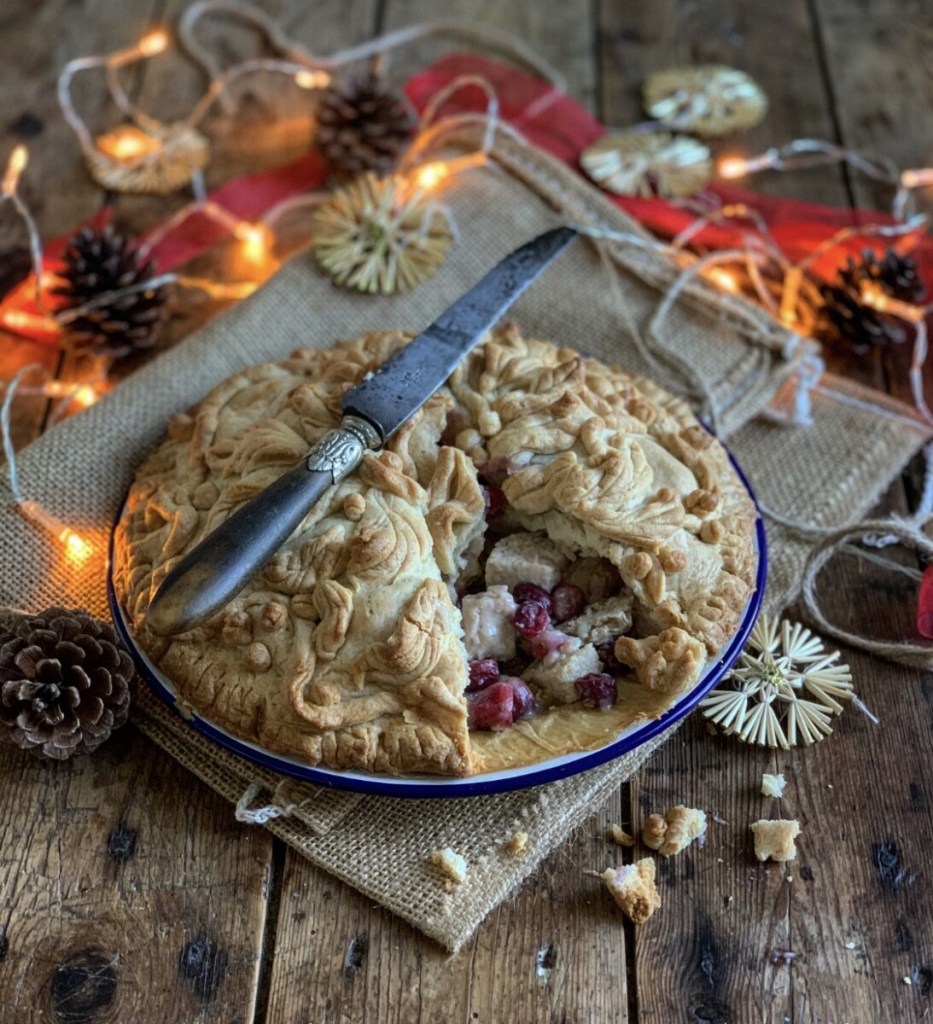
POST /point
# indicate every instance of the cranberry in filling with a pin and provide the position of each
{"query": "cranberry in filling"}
(524, 592)
(524, 698)
(495, 501)
(531, 619)
(547, 643)
(596, 689)
(500, 705)
(607, 655)
(483, 673)
(568, 601)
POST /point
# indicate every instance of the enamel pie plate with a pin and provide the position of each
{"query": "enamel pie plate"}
(425, 786)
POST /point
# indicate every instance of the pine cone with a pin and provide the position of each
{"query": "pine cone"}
(96, 263)
(846, 317)
(64, 682)
(363, 126)
(896, 275)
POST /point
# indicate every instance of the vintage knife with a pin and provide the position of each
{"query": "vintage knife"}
(218, 568)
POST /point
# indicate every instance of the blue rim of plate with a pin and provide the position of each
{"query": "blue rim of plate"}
(423, 786)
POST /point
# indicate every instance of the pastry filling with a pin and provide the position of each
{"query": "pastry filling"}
(539, 623)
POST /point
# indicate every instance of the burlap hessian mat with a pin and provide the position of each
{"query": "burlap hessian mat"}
(600, 299)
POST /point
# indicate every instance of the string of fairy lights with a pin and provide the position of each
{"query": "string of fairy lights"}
(147, 154)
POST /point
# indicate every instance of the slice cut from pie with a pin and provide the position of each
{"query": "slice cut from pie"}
(549, 550)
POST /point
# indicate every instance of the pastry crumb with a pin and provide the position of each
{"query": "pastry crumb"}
(675, 831)
(773, 785)
(517, 844)
(632, 887)
(775, 839)
(620, 837)
(451, 864)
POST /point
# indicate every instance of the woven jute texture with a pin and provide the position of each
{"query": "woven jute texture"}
(598, 299)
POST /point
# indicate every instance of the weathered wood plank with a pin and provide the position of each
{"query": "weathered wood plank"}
(126, 892)
(563, 34)
(878, 59)
(772, 42)
(555, 951)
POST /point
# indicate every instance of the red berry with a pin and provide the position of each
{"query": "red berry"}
(568, 601)
(607, 655)
(525, 592)
(482, 674)
(494, 708)
(547, 642)
(596, 689)
(495, 501)
(524, 698)
(531, 619)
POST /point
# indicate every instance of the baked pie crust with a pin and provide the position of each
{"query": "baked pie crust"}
(347, 650)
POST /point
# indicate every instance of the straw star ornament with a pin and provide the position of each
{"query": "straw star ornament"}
(376, 235)
(785, 689)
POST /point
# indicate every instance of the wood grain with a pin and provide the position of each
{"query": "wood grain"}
(554, 952)
(128, 891)
(885, 110)
(772, 42)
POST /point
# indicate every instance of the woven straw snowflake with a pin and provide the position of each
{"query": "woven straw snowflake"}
(161, 159)
(648, 163)
(708, 100)
(376, 235)
(785, 689)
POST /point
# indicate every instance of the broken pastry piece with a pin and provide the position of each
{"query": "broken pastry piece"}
(632, 887)
(620, 837)
(773, 785)
(517, 844)
(453, 866)
(774, 840)
(675, 831)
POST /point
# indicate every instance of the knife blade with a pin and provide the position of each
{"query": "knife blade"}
(217, 568)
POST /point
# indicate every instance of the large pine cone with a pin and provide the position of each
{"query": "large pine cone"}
(97, 262)
(363, 126)
(64, 682)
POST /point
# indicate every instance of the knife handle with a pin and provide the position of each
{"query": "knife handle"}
(219, 567)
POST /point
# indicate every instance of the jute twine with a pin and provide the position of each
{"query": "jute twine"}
(909, 535)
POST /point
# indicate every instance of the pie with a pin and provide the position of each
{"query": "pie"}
(549, 550)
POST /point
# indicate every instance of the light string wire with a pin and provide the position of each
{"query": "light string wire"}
(77, 548)
(484, 35)
(755, 255)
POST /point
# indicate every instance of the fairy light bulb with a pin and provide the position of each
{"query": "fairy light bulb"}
(306, 79)
(127, 144)
(77, 548)
(153, 43)
(14, 168)
(85, 396)
(876, 298)
(430, 175)
(724, 279)
(81, 394)
(732, 167)
(917, 177)
(255, 239)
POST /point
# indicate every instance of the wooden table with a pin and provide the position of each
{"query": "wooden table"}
(129, 893)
